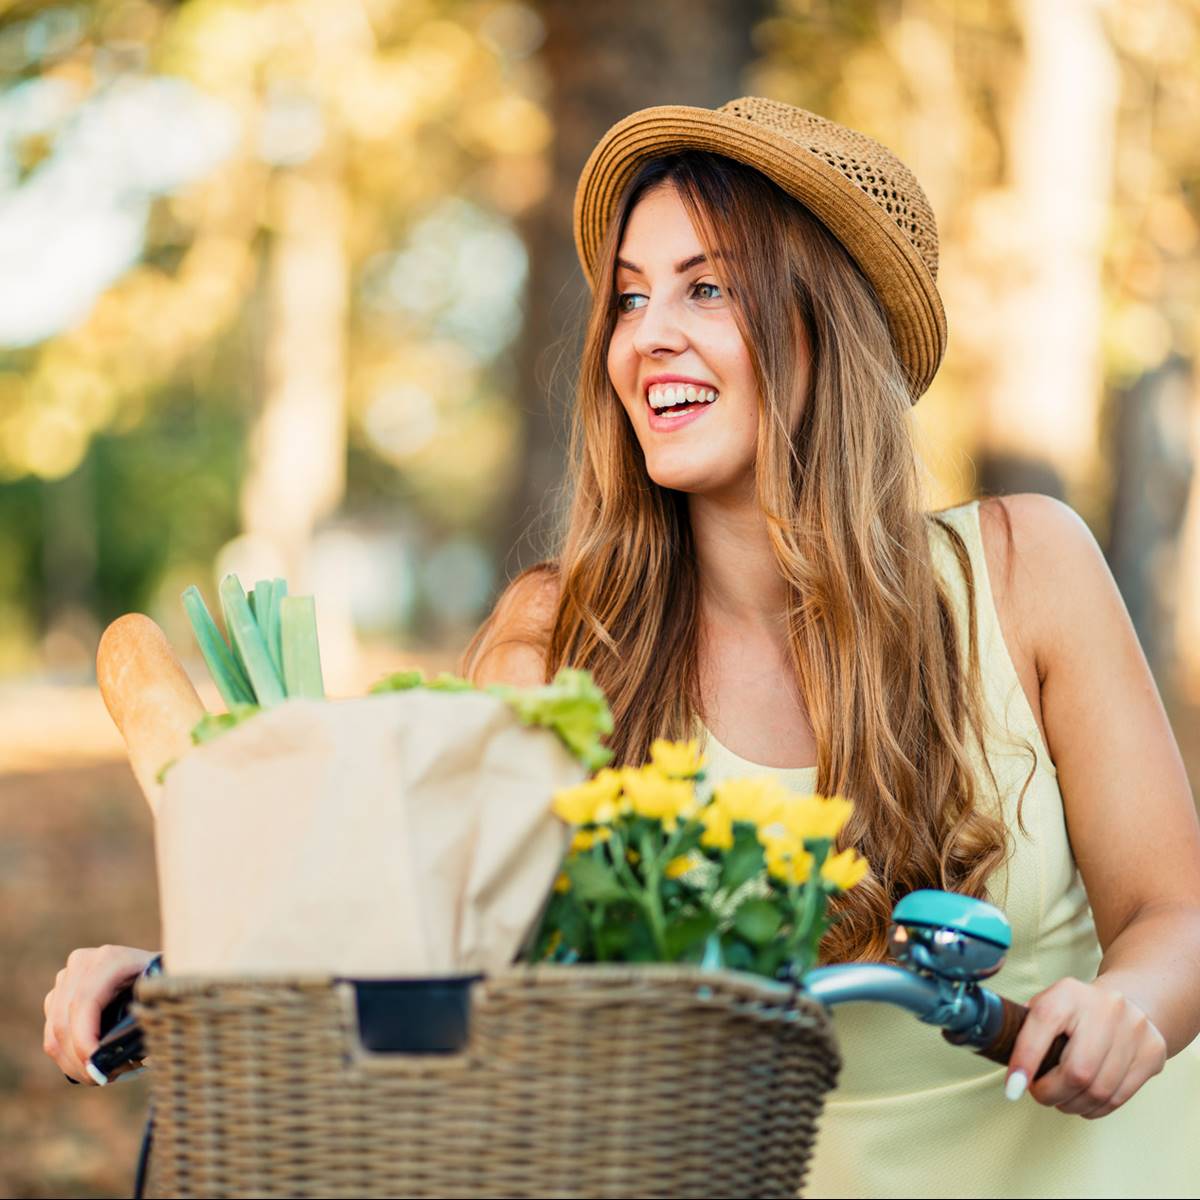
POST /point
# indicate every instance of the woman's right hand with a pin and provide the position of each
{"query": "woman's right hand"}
(91, 978)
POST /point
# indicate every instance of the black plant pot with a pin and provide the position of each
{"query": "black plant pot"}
(414, 1016)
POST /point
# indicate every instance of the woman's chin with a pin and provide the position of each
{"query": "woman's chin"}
(687, 475)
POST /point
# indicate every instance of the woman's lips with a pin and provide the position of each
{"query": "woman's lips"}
(669, 424)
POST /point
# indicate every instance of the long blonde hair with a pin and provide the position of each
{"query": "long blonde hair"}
(873, 634)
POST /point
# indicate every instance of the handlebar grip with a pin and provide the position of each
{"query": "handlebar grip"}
(1001, 1047)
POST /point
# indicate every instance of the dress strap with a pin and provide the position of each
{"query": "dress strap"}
(1013, 717)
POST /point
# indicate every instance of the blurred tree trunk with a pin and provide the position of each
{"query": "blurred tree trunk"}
(1154, 468)
(298, 449)
(1046, 383)
(604, 62)
(297, 456)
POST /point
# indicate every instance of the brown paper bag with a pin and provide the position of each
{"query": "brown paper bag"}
(405, 834)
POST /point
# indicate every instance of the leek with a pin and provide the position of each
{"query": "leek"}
(299, 647)
(245, 637)
(231, 681)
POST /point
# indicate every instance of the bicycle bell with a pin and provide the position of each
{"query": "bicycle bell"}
(949, 936)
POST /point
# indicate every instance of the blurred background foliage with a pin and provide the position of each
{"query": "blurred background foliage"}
(289, 287)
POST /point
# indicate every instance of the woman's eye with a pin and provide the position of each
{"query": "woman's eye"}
(623, 296)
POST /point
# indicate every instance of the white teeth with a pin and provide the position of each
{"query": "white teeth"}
(666, 396)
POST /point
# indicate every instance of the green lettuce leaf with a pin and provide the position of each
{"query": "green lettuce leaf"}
(212, 725)
(573, 706)
(399, 681)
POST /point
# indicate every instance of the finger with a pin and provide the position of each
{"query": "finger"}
(85, 1024)
(1050, 1013)
(109, 970)
(50, 1042)
(1078, 1068)
(1108, 1078)
(60, 1026)
(1095, 1021)
(1146, 1064)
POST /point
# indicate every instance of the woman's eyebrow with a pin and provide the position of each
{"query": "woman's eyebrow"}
(686, 265)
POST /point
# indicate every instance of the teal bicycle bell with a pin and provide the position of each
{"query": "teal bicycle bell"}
(948, 935)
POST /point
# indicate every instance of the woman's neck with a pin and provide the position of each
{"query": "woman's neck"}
(741, 589)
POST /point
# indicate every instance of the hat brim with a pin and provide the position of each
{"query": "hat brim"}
(905, 287)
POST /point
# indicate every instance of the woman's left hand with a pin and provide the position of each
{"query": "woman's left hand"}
(1112, 1048)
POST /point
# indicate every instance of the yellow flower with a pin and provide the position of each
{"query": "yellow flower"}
(844, 870)
(658, 798)
(585, 839)
(682, 865)
(786, 858)
(592, 802)
(563, 882)
(758, 800)
(677, 759)
(718, 827)
(811, 817)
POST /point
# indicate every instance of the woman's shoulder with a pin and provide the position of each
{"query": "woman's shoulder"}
(510, 645)
(1041, 563)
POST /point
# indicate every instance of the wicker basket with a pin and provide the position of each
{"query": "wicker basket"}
(574, 1081)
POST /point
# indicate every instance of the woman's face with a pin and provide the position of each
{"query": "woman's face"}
(680, 323)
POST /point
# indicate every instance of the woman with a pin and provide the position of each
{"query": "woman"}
(757, 571)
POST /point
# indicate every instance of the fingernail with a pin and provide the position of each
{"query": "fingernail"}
(1015, 1085)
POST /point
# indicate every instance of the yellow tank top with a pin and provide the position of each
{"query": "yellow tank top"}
(915, 1116)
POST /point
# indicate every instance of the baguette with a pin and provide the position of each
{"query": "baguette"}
(149, 697)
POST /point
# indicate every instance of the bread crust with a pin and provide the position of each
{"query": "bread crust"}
(148, 695)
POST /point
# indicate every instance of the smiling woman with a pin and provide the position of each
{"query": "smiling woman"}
(758, 572)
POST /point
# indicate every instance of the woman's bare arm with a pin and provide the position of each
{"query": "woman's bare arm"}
(1129, 810)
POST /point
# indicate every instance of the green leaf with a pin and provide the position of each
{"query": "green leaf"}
(445, 682)
(247, 640)
(576, 932)
(212, 725)
(227, 674)
(593, 882)
(613, 941)
(738, 955)
(758, 921)
(296, 625)
(743, 861)
(689, 838)
(770, 958)
(399, 681)
(688, 933)
(573, 706)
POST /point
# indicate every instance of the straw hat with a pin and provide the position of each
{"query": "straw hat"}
(861, 191)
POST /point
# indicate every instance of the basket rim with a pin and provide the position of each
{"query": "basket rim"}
(597, 984)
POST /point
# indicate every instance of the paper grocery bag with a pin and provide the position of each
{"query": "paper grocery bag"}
(403, 834)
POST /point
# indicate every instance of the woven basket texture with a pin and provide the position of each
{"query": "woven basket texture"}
(581, 1081)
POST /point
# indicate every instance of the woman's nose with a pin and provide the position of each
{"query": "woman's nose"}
(659, 328)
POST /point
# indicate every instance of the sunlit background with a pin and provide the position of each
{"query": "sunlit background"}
(288, 288)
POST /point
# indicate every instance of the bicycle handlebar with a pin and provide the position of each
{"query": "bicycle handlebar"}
(999, 1049)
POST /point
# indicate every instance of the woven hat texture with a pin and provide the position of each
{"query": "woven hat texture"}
(855, 185)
